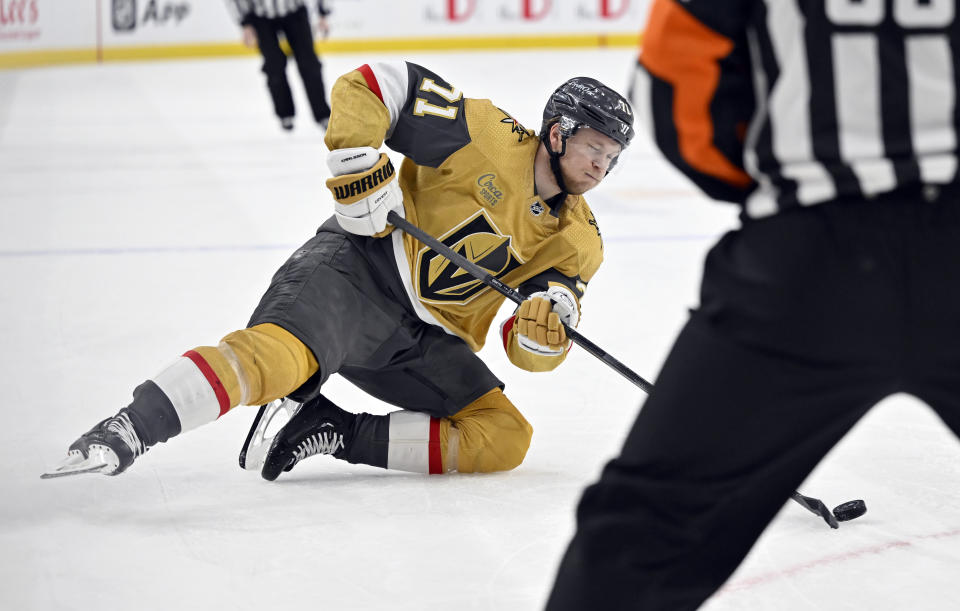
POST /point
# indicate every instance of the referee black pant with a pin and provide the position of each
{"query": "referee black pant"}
(807, 320)
(297, 30)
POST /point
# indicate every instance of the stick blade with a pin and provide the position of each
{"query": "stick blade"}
(816, 507)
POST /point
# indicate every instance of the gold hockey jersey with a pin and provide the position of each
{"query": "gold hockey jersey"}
(468, 179)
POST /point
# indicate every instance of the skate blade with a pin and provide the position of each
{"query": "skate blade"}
(258, 442)
(97, 461)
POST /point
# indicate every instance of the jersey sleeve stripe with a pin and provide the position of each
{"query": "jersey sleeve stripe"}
(683, 52)
(371, 80)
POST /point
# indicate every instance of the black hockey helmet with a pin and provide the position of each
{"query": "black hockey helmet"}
(586, 101)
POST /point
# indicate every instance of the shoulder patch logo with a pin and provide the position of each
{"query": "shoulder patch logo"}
(536, 208)
(515, 127)
(440, 281)
(593, 221)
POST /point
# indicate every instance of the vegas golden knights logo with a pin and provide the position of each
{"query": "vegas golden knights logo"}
(439, 280)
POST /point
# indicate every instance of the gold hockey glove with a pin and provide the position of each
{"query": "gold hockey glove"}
(365, 188)
(539, 328)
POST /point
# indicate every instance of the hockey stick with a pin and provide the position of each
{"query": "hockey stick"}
(513, 295)
(843, 512)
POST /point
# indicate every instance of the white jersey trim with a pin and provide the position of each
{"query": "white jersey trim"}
(392, 78)
(403, 267)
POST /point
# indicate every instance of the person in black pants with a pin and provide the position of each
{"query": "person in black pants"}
(839, 289)
(263, 23)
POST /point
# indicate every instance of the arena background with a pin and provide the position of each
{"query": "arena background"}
(39, 32)
(144, 205)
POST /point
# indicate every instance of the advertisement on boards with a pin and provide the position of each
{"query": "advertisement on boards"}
(445, 18)
(181, 27)
(165, 22)
(46, 24)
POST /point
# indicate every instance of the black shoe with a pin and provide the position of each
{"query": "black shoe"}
(286, 123)
(318, 427)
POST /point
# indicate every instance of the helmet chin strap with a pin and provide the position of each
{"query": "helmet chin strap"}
(555, 163)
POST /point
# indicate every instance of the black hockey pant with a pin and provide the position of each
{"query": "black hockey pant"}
(807, 320)
(296, 27)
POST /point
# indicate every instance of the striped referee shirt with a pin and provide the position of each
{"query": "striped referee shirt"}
(783, 103)
(270, 9)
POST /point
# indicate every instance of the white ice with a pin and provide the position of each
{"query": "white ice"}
(144, 208)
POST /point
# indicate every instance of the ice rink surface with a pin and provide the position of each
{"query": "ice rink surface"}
(143, 209)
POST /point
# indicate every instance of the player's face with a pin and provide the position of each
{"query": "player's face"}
(587, 159)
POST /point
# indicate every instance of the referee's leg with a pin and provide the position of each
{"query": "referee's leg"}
(274, 67)
(725, 437)
(299, 33)
(933, 361)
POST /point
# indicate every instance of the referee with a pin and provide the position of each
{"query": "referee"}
(263, 22)
(833, 124)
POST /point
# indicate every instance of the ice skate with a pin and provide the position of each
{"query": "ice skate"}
(270, 419)
(319, 427)
(108, 448)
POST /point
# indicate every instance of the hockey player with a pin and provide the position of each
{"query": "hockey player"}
(390, 315)
(834, 125)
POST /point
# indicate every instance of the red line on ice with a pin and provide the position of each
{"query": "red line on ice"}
(765, 578)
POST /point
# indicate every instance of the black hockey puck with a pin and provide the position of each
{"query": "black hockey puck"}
(851, 510)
